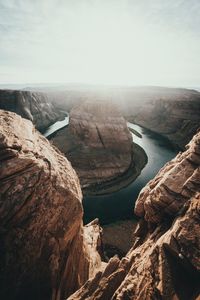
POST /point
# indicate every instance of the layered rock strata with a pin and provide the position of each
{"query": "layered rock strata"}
(44, 253)
(36, 107)
(97, 142)
(164, 262)
(174, 113)
(173, 186)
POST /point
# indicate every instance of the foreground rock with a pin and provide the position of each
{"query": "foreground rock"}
(97, 142)
(164, 262)
(173, 186)
(44, 254)
(35, 107)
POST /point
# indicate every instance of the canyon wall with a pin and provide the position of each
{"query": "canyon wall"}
(176, 117)
(36, 107)
(45, 251)
(97, 142)
(164, 262)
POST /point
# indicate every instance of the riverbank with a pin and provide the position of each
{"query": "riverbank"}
(135, 132)
(139, 160)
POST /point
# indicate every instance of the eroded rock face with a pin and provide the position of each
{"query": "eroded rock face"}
(97, 142)
(44, 254)
(35, 107)
(164, 262)
(174, 113)
(174, 185)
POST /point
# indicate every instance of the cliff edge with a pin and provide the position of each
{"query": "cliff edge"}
(164, 262)
(33, 106)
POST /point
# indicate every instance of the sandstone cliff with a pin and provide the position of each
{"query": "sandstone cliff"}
(164, 262)
(97, 142)
(35, 107)
(174, 113)
(45, 252)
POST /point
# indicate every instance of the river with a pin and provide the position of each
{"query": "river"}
(119, 205)
(56, 126)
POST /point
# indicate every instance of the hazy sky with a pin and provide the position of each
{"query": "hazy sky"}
(133, 42)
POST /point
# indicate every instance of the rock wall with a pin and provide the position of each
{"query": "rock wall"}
(44, 249)
(174, 113)
(178, 181)
(35, 107)
(97, 142)
(164, 262)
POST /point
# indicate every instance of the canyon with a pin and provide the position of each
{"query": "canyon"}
(164, 261)
(171, 112)
(177, 108)
(46, 252)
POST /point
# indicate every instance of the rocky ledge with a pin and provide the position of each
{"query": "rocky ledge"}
(36, 107)
(99, 146)
(164, 262)
(45, 251)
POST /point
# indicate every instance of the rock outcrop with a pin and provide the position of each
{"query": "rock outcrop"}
(164, 262)
(33, 106)
(177, 182)
(45, 253)
(97, 142)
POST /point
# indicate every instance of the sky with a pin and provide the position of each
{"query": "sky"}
(122, 42)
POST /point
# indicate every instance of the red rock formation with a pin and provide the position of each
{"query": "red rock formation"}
(35, 107)
(97, 142)
(44, 254)
(164, 262)
(176, 182)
